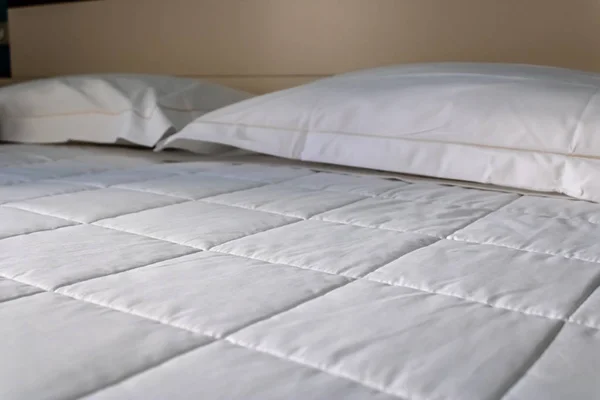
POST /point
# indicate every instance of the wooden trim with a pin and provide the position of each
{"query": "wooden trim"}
(31, 3)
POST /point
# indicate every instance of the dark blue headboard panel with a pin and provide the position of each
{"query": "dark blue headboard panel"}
(4, 49)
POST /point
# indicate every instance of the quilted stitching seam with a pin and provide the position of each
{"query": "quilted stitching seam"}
(387, 196)
(40, 230)
(81, 190)
(139, 372)
(559, 217)
(248, 179)
(359, 225)
(24, 180)
(312, 217)
(118, 186)
(323, 368)
(548, 253)
(21, 296)
(155, 261)
(22, 208)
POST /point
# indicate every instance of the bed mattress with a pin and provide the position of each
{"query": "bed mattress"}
(131, 275)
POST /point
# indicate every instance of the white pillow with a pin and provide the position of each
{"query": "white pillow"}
(529, 127)
(138, 109)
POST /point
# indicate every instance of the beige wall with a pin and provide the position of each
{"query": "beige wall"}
(264, 45)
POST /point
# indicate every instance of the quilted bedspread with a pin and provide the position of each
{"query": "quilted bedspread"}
(127, 278)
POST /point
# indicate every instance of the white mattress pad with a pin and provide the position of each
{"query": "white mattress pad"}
(131, 275)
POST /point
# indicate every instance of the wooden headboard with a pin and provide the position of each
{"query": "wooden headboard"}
(264, 45)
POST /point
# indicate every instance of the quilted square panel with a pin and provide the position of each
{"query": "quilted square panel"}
(555, 208)
(68, 255)
(191, 186)
(437, 220)
(38, 189)
(532, 283)
(19, 154)
(567, 237)
(565, 368)
(403, 341)
(362, 185)
(204, 284)
(286, 200)
(54, 169)
(426, 192)
(92, 205)
(257, 172)
(119, 176)
(588, 313)
(16, 157)
(197, 224)
(10, 290)
(334, 248)
(61, 348)
(207, 373)
(7, 180)
(18, 222)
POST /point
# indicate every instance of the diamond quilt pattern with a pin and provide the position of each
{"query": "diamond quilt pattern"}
(128, 278)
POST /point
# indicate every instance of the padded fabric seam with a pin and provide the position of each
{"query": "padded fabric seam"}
(152, 263)
(139, 372)
(337, 374)
(544, 216)
(58, 178)
(547, 253)
(40, 230)
(23, 295)
(160, 260)
(207, 200)
(87, 189)
(173, 195)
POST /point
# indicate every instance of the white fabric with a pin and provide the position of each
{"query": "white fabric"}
(122, 277)
(527, 127)
(138, 109)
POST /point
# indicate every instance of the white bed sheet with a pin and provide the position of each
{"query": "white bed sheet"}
(133, 275)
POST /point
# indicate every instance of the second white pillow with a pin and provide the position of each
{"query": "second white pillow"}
(138, 109)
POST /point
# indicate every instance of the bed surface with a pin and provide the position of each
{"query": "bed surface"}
(132, 275)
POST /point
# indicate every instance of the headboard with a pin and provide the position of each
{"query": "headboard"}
(264, 45)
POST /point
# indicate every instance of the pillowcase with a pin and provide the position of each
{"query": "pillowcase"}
(137, 109)
(519, 126)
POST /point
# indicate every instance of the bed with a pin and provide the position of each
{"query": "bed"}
(242, 254)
